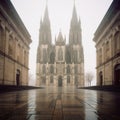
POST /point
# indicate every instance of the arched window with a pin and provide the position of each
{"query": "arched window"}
(68, 69)
(43, 69)
(51, 79)
(68, 57)
(51, 69)
(43, 80)
(25, 55)
(60, 81)
(100, 56)
(10, 46)
(101, 78)
(107, 50)
(75, 54)
(52, 58)
(60, 54)
(76, 69)
(44, 55)
(68, 79)
(117, 42)
(18, 52)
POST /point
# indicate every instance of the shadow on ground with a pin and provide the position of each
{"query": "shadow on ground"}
(10, 88)
(111, 88)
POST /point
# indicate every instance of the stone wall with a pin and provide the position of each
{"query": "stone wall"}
(14, 46)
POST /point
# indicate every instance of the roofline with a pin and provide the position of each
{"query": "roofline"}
(15, 16)
(115, 5)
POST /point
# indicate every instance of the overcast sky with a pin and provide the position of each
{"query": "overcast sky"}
(90, 12)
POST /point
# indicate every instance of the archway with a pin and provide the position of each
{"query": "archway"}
(60, 81)
(18, 78)
(117, 75)
(101, 78)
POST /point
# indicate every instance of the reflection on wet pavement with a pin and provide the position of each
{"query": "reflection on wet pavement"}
(60, 104)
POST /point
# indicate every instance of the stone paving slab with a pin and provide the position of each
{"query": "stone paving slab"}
(60, 104)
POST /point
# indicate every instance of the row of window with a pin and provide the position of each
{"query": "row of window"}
(14, 49)
(22, 55)
(68, 69)
(52, 80)
(106, 52)
(60, 56)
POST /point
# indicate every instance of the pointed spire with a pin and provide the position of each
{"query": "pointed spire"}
(60, 36)
(74, 15)
(46, 15)
(45, 29)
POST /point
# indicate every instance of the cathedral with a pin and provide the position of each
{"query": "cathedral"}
(60, 64)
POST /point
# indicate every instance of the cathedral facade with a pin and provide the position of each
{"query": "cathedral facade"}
(60, 64)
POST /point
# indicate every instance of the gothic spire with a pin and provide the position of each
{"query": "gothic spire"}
(60, 37)
(46, 15)
(75, 28)
(60, 40)
(74, 15)
(45, 29)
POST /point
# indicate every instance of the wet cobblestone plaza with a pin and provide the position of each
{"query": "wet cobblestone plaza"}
(59, 104)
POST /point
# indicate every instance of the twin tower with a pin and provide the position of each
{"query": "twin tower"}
(60, 64)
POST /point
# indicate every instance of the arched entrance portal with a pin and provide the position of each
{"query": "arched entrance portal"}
(18, 77)
(60, 81)
(101, 78)
(117, 75)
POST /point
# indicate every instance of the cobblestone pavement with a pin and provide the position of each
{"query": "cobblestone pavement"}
(60, 104)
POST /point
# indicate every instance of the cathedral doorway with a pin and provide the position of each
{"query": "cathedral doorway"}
(60, 81)
(117, 75)
(18, 78)
(101, 78)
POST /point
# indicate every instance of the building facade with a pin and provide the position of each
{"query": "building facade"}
(14, 46)
(107, 39)
(60, 64)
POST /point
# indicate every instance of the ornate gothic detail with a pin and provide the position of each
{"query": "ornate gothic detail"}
(61, 57)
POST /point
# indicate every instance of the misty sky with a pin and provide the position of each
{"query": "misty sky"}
(90, 12)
